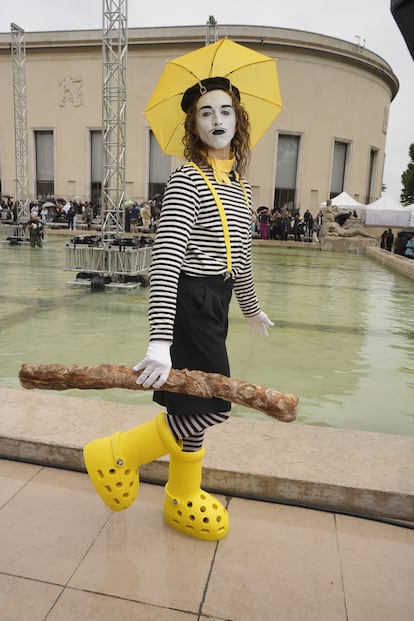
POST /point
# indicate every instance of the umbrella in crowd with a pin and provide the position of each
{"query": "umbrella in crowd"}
(253, 73)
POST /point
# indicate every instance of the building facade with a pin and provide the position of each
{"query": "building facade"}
(329, 137)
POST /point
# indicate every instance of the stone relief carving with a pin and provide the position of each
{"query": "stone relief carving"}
(70, 91)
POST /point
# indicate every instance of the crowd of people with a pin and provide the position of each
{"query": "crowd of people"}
(402, 244)
(62, 211)
(7, 208)
(271, 224)
(142, 216)
(282, 223)
(138, 216)
(52, 211)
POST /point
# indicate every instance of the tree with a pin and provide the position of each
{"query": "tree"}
(407, 180)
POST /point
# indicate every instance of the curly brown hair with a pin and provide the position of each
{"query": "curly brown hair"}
(194, 149)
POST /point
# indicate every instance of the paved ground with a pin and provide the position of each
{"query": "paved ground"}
(65, 556)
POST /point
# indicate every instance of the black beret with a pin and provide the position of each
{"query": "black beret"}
(202, 87)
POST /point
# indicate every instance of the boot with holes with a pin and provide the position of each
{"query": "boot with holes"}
(188, 508)
(112, 463)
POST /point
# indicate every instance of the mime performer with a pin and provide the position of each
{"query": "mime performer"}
(202, 254)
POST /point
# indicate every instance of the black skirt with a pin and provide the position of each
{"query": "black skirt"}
(199, 341)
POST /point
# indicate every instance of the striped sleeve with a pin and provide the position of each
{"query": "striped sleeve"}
(244, 288)
(178, 214)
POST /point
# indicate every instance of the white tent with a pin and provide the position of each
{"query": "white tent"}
(387, 212)
(345, 202)
(411, 210)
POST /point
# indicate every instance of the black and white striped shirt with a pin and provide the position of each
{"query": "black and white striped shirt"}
(190, 239)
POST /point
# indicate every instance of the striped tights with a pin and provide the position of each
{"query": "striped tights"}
(190, 429)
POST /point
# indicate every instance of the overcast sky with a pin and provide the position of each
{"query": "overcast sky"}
(351, 20)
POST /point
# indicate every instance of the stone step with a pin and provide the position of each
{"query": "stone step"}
(362, 473)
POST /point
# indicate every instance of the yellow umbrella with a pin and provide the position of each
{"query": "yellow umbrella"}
(254, 74)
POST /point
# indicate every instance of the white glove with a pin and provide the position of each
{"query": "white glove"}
(156, 365)
(260, 323)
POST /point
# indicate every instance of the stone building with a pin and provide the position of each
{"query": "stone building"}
(330, 136)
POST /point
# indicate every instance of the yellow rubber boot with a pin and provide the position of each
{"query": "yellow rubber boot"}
(188, 508)
(112, 462)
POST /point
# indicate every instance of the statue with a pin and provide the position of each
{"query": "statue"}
(331, 228)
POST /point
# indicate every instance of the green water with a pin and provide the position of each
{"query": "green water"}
(343, 339)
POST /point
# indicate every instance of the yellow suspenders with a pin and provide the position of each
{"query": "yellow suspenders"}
(222, 213)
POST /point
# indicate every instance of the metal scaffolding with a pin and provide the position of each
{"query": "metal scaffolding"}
(18, 49)
(114, 92)
(211, 30)
(111, 260)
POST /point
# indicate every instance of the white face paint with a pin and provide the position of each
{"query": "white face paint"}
(216, 120)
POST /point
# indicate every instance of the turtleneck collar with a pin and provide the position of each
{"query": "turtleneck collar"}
(221, 169)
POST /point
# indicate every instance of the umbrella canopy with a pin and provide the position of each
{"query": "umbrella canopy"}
(48, 204)
(254, 74)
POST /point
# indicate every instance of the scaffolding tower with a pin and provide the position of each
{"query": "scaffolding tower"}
(111, 260)
(211, 30)
(114, 94)
(14, 231)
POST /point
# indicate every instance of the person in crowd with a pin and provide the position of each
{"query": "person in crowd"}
(127, 219)
(135, 216)
(277, 224)
(316, 227)
(264, 222)
(35, 227)
(88, 215)
(71, 214)
(254, 224)
(383, 239)
(308, 222)
(156, 214)
(298, 228)
(409, 248)
(389, 241)
(44, 214)
(286, 225)
(202, 254)
(309, 226)
(146, 216)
